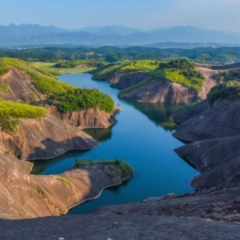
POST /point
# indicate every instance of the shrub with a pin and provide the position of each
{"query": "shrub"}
(229, 90)
(10, 113)
(116, 167)
(4, 87)
(78, 99)
(233, 75)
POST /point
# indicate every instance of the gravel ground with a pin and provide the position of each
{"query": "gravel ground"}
(116, 227)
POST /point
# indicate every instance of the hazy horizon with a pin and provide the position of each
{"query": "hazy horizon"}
(219, 15)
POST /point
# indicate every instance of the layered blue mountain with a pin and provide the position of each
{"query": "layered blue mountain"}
(25, 35)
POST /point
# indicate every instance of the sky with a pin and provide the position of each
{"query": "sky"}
(143, 14)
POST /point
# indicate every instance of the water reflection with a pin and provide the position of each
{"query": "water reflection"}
(40, 166)
(143, 138)
(159, 113)
(100, 134)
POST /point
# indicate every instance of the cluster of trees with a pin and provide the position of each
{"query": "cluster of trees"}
(76, 63)
(113, 54)
(229, 90)
(184, 66)
(79, 99)
(116, 167)
(233, 75)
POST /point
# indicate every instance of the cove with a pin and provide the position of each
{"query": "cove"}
(142, 137)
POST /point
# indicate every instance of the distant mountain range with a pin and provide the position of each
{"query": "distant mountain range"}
(30, 35)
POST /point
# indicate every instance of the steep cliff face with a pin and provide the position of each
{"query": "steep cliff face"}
(17, 86)
(217, 120)
(28, 196)
(161, 91)
(214, 130)
(216, 159)
(44, 139)
(89, 118)
(126, 80)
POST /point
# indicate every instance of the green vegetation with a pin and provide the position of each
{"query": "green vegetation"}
(44, 81)
(229, 90)
(78, 99)
(4, 68)
(140, 65)
(124, 67)
(66, 97)
(212, 55)
(62, 179)
(4, 88)
(33, 95)
(9, 152)
(233, 75)
(10, 113)
(60, 68)
(20, 215)
(117, 167)
(107, 71)
(42, 194)
(80, 64)
(180, 71)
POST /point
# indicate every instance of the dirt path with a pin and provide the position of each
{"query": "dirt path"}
(208, 72)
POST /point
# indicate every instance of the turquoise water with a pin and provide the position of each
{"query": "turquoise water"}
(142, 137)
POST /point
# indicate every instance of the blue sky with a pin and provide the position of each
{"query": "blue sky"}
(144, 14)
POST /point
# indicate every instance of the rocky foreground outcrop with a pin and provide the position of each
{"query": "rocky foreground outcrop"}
(218, 205)
(29, 196)
(44, 139)
(206, 121)
(214, 130)
(202, 216)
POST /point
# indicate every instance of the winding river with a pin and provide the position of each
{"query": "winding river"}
(142, 137)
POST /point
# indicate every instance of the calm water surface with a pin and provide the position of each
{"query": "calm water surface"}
(142, 137)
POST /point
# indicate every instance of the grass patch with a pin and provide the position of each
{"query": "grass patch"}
(53, 69)
(229, 90)
(80, 64)
(45, 82)
(20, 215)
(117, 167)
(62, 179)
(178, 76)
(4, 88)
(11, 112)
(42, 194)
(107, 71)
(4, 68)
(33, 95)
(66, 97)
(78, 99)
(141, 65)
